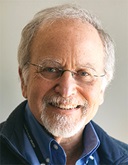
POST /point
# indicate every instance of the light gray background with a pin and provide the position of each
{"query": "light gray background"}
(15, 14)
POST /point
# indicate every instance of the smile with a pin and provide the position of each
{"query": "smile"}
(65, 107)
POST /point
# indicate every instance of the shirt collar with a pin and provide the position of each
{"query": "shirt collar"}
(91, 140)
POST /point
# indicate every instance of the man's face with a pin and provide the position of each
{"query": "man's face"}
(65, 105)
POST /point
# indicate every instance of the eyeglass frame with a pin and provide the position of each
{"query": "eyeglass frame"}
(62, 71)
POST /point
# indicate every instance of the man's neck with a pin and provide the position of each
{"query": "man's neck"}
(73, 147)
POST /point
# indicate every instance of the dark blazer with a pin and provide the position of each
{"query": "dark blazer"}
(111, 151)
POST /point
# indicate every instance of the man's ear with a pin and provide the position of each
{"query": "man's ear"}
(102, 96)
(23, 84)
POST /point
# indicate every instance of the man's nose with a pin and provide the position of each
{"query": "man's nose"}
(66, 85)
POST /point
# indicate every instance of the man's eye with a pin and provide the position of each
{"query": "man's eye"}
(83, 73)
(50, 70)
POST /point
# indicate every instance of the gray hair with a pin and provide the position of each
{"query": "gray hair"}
(67, 11)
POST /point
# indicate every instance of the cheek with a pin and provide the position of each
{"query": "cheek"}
(35, 93)
(37, 88)
(94, 96)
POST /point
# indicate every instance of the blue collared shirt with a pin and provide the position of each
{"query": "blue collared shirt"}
(52, 152)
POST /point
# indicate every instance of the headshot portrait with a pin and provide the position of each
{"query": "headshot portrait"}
(64, 82)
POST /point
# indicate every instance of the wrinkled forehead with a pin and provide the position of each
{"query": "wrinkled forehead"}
(66, 40)
(66, 28)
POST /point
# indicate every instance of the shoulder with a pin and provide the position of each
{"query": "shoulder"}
(9, 129)
(14, 118)
(110, 148)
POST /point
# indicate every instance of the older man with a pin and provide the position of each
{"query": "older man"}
(66, 60)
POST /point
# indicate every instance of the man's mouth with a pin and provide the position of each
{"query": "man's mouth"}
(65, 107)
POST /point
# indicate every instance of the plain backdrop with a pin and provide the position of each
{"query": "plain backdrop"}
(15, 14)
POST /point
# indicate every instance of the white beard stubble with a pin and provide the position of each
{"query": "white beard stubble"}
(62, 125)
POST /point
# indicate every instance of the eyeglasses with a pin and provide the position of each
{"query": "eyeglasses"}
(53, 73)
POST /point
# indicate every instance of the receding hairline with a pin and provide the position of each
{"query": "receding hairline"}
(48, 27)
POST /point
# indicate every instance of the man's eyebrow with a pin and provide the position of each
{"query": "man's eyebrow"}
(48, 61)
(89, 66)
(55, 62)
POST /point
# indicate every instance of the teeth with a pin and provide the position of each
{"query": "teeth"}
(65, 106)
